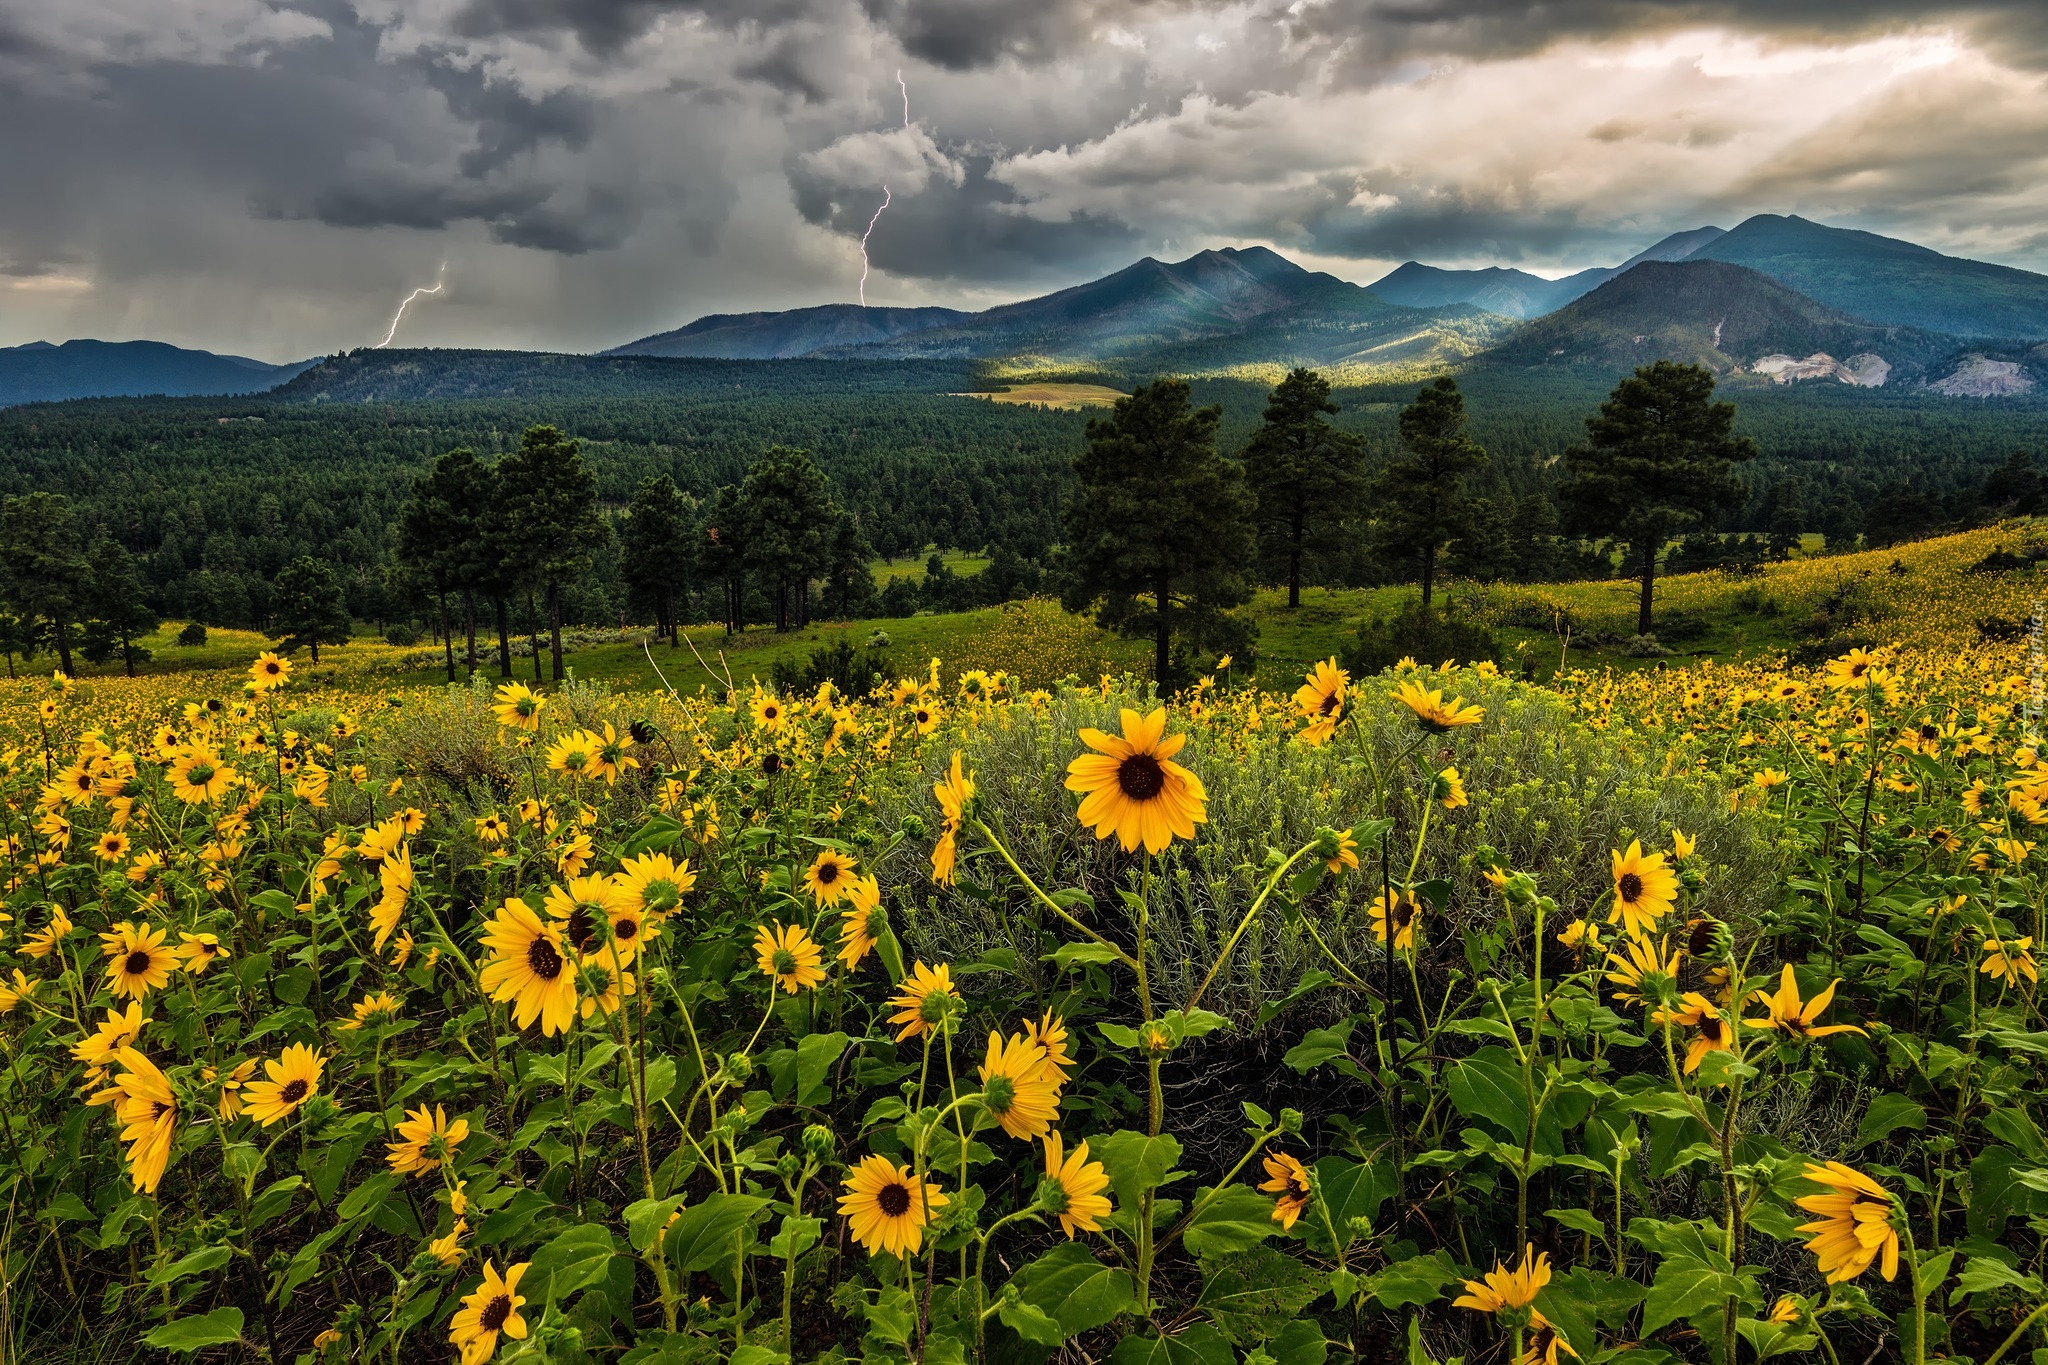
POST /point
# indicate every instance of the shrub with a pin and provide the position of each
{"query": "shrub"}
(193, 635)
(1425, 634)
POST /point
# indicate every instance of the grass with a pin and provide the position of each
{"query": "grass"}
(1062, 397)
(963, 563)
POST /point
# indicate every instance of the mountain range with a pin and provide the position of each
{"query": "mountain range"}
(1774, 299)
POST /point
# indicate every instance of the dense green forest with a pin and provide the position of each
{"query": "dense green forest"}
(215, 495)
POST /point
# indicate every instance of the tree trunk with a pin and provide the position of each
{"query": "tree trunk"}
(63, 647)
(1294, 562)
(314, 645)
(1428, 574)
(555, 628)
(1161, 658)
(504, 637)
(10, 663)
(533, 634)
(447, 637)
(469, 620)
(127, 654)
(1649, 585)
(668, 594)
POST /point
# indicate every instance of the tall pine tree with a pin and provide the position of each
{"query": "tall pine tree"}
(1423, 502)
(1305, 474)
(551, 525)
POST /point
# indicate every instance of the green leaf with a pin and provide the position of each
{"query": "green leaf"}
(1253, 1294)
(1575, 1303)
(1030, 1322)
(1983, 1274)
(1068, 954)
(197, 1263)
(796, 1236)
(1686, 1288)
(645, 1218)
(1416, 1281)
(1238, 1217)
(1312, 980)
(572, 1261)
(1136, 1163)
(658, 833)
(703, 1236)
(1886, 1114)
(1200, 1344)
(1352, 1189)
(1488, 1085)
(1299, 1343)
(1578, 1220)
(816, 1054)
(1319, 1045)
(184, 1335)
(1073, 1287)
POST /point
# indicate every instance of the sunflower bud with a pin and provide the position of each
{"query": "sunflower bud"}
(739, 1067)
(1153, 1037)
(643, 732)
(819, 1143)
(913, 827)
(1707, 937)
(1329, 843)
(1519, 888)
(1290, 1121)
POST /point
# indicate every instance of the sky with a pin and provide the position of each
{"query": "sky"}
(272, 177)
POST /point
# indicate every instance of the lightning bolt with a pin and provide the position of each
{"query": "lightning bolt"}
(878, 211)
(400, 314)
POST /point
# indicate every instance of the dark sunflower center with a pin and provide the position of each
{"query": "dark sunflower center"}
(893, 1199)
(769, 713)
(294, 1091)
(582, 928)
(771, 764)
(1404, 913)
(495, 1313)
(1929, 732)
(1711, 1030)
(1329, 704)
(544, 961)
(1140, 777)
(1630, 887)
(1702, 938)
(137, 962)
(923, 715)
(828, 873)
(626, 930)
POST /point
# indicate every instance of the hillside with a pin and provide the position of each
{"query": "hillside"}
(41, 373)
(797, 332)
(1885, 280)
(1516, 293)
(1729, 318)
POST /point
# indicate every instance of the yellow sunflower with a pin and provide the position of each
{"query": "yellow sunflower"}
(487, 1311)
(112, 846)
(789, 955)
(517, 707)
(1855, 1224)
(198, 777)
(1016, 1088)
(1437, 715)
(829, 877)
(1400, 911)
(139, 960)
(199, 951)
(863, 922)
(1715, 1030)
(1320, 699)
(1644, 967)
(426, 1140)
(380, 1008)
(1288, 1180)
(1504, 1290)
(1072, 1188)
(1050, 1033)
(590, 911)
(1132, 787)
(148, 1113)
(529, 966)
(1791, 1016)
(923, 1001)
(1644, 888)
(269, 671)
(655, 883)
(769, 712)
(886, 1208)
(293, 1079)
(394, 877)
(2008, 959)
(574, 753)
(611, 761)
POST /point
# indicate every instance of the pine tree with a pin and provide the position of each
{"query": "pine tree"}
(654, 544)
(791, 519)
(1422, 501)
(849, 573)
(1659, 458)
(114, 607)
(721, 552)
(1305, 474)
(310, 607)
(442, 538)
(1159, 535)
(42, 570)
(550, 523)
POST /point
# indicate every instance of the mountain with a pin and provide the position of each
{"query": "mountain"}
(781, 336)
(1886, 280)
(1216, 311)
(1729, 318)
(42, 373)
(1516, 293)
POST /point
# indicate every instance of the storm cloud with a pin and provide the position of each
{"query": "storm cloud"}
(270, 176)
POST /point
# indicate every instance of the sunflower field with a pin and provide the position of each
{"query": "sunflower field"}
(1675, 1015)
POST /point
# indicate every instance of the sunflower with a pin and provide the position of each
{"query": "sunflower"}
(118, 1031)
(1320, 699)
(488, 1310)
(199, 951)
(294, 1078)
(1015, 1087)
(574, 753)
(1681, 847)
(1507, 1291)
(448, 1250)
(655, 884)
(1542, 1343)
(491, 829)
(1648, 967)
(863, 922)
(2009, 959)
(269, 671)
(1855, 1223)
(789, 955)
(381, 1008)
(924, 999)
(1437, 715)
(1695, 1011)
(148, 1113)
(231, 1088)
(611, 760)
(830, 874)
(769, 712)
(926, 716)
(1851, 670)
(1643, 889)
(1050, 1033)
(1134, 789)
(529, 965)
(21, 989)
(198, 777)
(1402, 911)
(517, 707)
(591, 911)
(427, 1140)
(1581, 936)
(138, 960)
(111, 847)
(1288, 1179)
(44, 941)
(394, 876)
(886, 1208)
(1072, 1188)
(1794, 1018)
